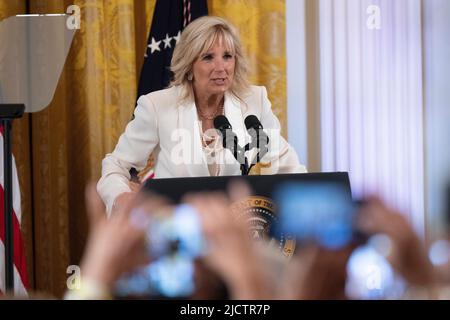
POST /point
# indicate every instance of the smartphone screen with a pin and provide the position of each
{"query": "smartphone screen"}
(322, 213)
(175, 240)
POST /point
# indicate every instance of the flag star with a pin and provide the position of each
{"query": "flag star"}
(167, 41)
(177, 37)
(154, 45)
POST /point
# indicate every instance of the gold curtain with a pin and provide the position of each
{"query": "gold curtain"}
(59, 150)
(94, 101)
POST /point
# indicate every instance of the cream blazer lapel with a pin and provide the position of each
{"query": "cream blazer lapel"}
(233, 112)
(188, 124)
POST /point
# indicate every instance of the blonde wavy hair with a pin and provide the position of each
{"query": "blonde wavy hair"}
(197, 38)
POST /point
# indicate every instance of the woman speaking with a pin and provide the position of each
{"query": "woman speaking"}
(177, 124)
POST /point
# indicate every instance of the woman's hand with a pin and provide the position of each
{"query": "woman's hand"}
(121, 201)
(134, 186)
(123, 198)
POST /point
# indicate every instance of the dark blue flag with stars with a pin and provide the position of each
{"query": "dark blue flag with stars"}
(169, 19)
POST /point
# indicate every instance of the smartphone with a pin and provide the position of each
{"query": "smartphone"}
(316, 212)
(174, 240)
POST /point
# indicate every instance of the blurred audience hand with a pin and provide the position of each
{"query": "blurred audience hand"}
(231, 252)
(315, 273)
(408, 255)
(115, 245)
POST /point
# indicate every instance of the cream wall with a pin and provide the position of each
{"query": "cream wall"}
(436, 33)
(303, 81)
(303, 92)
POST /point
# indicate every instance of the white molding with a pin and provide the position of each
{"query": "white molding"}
(296, 78)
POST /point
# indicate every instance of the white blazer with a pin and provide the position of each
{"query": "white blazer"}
(171, 129)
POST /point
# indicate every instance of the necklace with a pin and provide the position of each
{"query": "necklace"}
(211, 117)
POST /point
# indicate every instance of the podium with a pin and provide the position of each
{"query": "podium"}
(259, 210)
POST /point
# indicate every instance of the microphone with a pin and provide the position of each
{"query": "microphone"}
(260, 139)
(229, 138)
(252, 122)
(221, 123)
(230, 141)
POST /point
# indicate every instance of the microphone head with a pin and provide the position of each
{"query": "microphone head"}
(221, 123)
(252, 122)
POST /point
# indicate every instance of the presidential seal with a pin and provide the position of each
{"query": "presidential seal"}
(259, 213)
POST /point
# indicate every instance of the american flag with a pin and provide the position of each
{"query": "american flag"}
(169, 19)
(20, 269)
